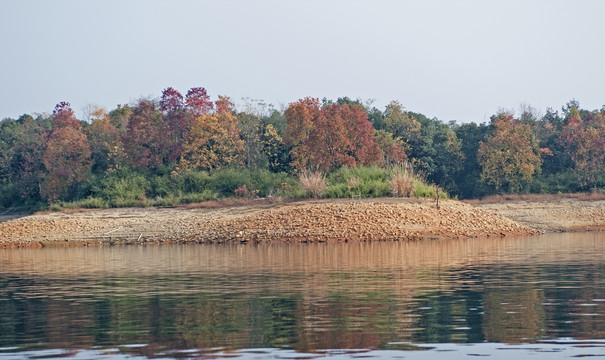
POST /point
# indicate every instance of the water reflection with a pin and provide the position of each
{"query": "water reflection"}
(304, 297)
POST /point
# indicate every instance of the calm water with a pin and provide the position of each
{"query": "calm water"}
(537, 298)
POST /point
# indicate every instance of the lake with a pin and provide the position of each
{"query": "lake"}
(536, 297)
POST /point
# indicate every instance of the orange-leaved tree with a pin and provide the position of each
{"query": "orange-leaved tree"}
(299, 122)
(510, 156)
(66, 156)
(329, 137)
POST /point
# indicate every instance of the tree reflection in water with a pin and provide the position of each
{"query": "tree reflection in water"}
(305, 297)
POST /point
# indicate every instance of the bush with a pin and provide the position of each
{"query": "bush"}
(195, 182)
(291, 189)
(125, 191)
(227, 180)
(422, 189)
(314, 183)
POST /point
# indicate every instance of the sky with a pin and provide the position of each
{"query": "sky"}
(460, 60)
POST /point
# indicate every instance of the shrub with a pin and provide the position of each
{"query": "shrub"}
(314, 183)
(125, 189)
(422, 189)
(195, 182)
(227, 180)
(374, 188)
(291, 189)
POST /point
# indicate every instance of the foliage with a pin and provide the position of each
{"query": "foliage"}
(510, 155)
(213, 143)
(327, 138)
(105, 143)
(424, 190)
(393, 149)
(400, 123)
(178, 149)
(585, 143)
(26, 166)
(144, 137)
(66, 156)
(299, 122)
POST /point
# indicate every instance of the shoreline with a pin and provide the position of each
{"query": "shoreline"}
(333, 220)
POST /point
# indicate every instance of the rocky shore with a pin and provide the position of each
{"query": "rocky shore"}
(385, 219)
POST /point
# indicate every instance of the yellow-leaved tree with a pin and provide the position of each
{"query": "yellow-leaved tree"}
(213, 142)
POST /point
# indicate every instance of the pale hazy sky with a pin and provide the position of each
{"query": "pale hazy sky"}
(451, 59)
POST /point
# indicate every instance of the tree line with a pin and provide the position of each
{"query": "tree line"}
(192, 141)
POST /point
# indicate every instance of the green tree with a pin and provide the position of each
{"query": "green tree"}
(401, 123)
(26, 166)
(468, 179)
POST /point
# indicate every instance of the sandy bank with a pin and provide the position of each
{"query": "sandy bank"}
(553, 216)
(385, 219)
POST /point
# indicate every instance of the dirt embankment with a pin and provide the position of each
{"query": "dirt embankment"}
(386, 219)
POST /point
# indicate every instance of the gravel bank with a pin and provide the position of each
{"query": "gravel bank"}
(385, 219)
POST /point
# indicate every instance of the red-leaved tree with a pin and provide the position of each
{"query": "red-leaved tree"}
(144, 140)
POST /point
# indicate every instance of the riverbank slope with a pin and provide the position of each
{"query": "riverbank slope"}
(384, 219)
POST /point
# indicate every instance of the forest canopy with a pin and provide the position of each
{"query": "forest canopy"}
(192, 148)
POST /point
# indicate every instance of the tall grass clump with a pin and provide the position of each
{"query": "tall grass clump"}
(313, 183)
(402, 183)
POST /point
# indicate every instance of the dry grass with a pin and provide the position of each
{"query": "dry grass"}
(314, 183)
(402, 183)
(496, 199)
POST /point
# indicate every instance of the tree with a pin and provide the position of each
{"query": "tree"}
(144, 139)
(275, 150)
(468, 179)
(509, 156)
(401, 123)
(177, 122)
(107, 150)
(584, 141)
(66, 155)
(198, 102)
(213, 142)
(330, 137)
(7, 147)
(299, 122)
(393, 149)
(27, 168)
